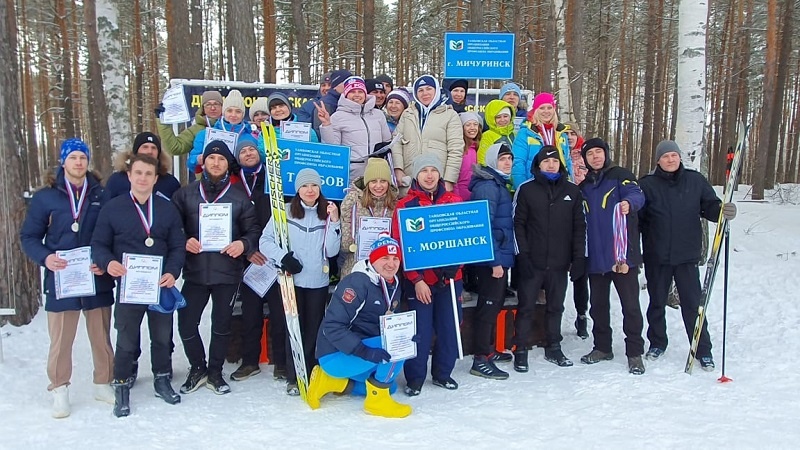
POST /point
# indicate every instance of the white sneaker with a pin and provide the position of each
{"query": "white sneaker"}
(104, 393)
(61, 402)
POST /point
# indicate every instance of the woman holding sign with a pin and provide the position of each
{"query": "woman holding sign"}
(220, 225)
(367, 211)
(428, 292)
(61, 217)
(314, 235)
(228, 128)
(349, 344)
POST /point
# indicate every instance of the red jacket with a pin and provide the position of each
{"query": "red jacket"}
(418, 197)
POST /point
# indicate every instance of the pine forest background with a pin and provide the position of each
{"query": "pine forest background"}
(96, 70)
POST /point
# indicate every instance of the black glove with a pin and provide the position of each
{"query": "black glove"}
(524, 265)
(578, 269)
(159, 109)
(290, 264)
(375, 355)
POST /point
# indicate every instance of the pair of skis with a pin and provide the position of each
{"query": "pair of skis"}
(278, 204)
(716, 246)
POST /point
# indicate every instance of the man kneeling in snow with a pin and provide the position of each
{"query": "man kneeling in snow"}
(349, 342)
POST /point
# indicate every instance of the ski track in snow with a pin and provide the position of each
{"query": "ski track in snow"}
(598, 406)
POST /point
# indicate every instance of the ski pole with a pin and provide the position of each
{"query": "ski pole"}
(455, 317)
(723, 378)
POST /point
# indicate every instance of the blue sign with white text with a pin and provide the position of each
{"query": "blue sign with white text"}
(445, 235)
(332, 162)
(485, 56)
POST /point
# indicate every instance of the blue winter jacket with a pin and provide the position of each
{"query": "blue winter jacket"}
(307, 111)
(602, 190)
(47, 228)
(488, 184)
(119, 183)
(527, 145)
(200, 140)
(355, 310)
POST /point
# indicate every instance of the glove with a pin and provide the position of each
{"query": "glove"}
(578, 269)
(729, 211)
(374, 355)
(159, 109)
(449, 272)
(290, 264)
(524, 264)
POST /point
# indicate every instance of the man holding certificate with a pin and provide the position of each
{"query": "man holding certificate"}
(56, 234)
(349, 344)
(139, 238)
(221, 230)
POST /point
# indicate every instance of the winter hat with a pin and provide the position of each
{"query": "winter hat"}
(374, 85)
(504, 110)
(547, 152)
(383, 78)
(169, 301)
(233, 100)
(573, 126)
(278, 97)
(326, 78)
(74, 145)
(144, 138)
(306, 176)
(260, 104)
(495, 151)
(401, 95)
(470, 116)
(354, 83)
(377, 169)
(246, 140)
(458, 83)
(425, 80)
(218, 148)
(596, 143)
(383, 246)
(513, 87)
(545, 98)
(209, 96)
(665, 147)
(428, 160)
(338, 77)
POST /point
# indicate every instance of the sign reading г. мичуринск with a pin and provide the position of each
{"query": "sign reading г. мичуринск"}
(485, 56)
(445, 235)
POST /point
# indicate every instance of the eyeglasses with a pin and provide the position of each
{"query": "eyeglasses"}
(213, 104)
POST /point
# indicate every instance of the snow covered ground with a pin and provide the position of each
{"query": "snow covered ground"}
(599, 406)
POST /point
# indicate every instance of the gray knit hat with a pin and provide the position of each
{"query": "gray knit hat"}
(306, 176)
(664, 147)
(259, 104)
(428, 160)
(470, 115)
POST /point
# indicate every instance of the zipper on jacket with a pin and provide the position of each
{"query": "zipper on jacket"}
(369, 144)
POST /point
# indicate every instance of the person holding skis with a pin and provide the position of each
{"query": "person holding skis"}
(677, 199)
(314, 235)
(349, 341)
(143, 223)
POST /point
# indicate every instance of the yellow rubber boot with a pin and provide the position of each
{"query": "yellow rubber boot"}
(322, 384)
(379, 402)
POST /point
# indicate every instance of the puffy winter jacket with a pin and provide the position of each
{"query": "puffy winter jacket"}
(358, 126)
(312, 240)
(419, 197)
(602, 191)
(527, 145)
(355, 310)
(442, 136)
(488, 184)
(549, 225)
(353, 203)
(47, 228)
(469, 159)
(119, 184)
(213, 267)
(495, 134)
(670, 220)
(200, 140)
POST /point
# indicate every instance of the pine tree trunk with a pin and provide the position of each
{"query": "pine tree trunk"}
(65, 74)
(475, 16)
(786, 20)
(19, 278)
(243, 40)
(769, 101)
(369, 38)
(653, 24)
(270, 57)
(101, 136)
(574, 39)
(301, 37)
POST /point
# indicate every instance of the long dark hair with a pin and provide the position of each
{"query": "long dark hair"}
(297, 211)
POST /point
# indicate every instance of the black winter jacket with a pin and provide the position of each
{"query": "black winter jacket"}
(549, 225)
(213, 267)
(670, 220)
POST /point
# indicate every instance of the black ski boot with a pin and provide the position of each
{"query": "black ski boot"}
(217, 383)
(556, 356)
(521, 360)
(581, 326)
(446, 382)
(164, 389)
(195, 380)
(122, 392)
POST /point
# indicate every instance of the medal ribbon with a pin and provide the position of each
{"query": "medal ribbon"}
(620, 234)
(386, 297)
(203, 192)
(147, 222)
(547, 135)
(354, 222)
(76, 209)
(247, 186)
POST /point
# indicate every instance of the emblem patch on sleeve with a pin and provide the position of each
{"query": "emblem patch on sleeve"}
(349, 295)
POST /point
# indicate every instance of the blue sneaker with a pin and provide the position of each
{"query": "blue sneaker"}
(654, 353)
(707, 363)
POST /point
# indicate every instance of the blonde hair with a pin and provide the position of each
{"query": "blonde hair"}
(536, 120)
(390, 201)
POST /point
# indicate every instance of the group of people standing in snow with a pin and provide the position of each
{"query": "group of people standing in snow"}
(560, 211)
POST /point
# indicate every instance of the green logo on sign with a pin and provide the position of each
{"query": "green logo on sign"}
(415, 225)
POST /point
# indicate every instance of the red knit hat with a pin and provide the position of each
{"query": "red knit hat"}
(384, 246)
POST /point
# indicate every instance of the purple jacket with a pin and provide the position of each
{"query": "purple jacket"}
(465, 174)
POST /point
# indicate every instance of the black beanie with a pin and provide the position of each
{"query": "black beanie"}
(145, 138)
(548, 151)
(219, 148)
(459, 83)
(592, 143)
